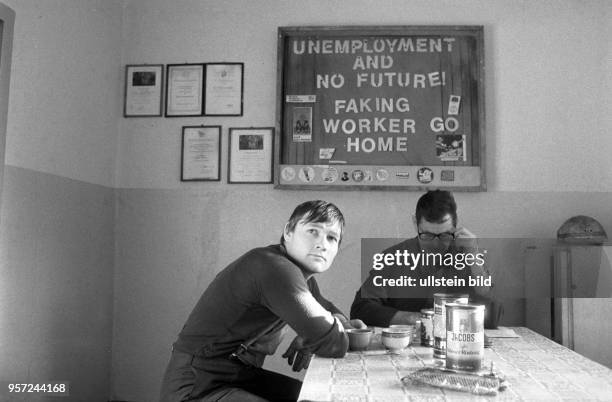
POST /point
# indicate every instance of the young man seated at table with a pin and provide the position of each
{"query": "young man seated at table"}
(435, 220)
(241, 316)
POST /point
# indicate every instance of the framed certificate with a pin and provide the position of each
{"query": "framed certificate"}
(143, 90)
(250, 155)
(201, 153)
(184, 88)
(223, 89)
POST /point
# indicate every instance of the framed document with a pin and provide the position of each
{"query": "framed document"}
(184, 88)
(201, 153)
(143, 90)
(250, 155)
(223, 89)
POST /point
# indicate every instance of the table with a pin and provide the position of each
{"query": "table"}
(536, 368)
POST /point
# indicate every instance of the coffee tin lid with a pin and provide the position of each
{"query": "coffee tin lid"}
(468, 306)
(450, 295)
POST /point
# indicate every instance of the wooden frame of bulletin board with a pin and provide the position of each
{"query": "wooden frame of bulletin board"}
(389, 108)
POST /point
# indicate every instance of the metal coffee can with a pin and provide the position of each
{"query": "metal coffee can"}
(464, 336)
(439, 320)
(427, 327)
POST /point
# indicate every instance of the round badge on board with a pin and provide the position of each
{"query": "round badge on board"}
(382, 174)
(357, 175)
(329, 175)
(306, 174)
(425, 175)
(288, 173)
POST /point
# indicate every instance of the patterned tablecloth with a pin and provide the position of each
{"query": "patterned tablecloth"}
(535, 367)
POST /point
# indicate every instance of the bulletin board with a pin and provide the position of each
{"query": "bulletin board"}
(366, 107)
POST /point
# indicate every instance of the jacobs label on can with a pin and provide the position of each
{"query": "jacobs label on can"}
(464, 336)
(464, 350)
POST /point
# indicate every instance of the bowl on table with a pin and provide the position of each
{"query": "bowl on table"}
(359, 338)
(396, 339)
(415, 330)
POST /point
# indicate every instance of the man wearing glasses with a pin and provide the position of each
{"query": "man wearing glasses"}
(439, 239)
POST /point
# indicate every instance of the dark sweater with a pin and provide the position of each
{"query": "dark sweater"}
(251, 293)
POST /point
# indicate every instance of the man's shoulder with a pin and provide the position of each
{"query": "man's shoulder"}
(272, 251)
(272, 262)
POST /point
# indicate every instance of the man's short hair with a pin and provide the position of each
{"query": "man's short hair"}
(434, 205)
(317, 211)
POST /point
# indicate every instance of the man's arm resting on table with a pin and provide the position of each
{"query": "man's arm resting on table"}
(288, 296)
(299, 353)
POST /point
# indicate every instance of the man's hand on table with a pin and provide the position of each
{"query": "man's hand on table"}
(297, 355)
(350, 324)
(355, 323)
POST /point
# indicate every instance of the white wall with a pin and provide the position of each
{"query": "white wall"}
(66, 97)
(58, 206)
(56, 283)
(547, 104)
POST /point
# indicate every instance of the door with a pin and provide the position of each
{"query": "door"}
(7, 20)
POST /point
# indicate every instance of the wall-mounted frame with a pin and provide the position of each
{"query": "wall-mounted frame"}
(389, 107)
(224, 89)
(201, 153)
(143, 90)
(250, 155)
(184, 90)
